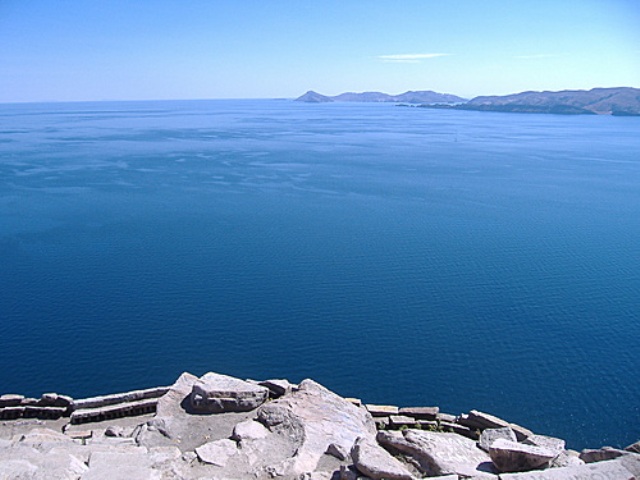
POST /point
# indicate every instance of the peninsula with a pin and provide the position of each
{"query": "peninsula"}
(217, 426)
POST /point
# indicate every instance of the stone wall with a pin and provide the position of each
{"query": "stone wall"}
(53, 406)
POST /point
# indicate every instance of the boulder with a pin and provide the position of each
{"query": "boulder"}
(634, 447)
(509, 456)
(611, 469)
(566, 458)
(376, 463)
(490, 435)
(114, 431)
(480, 420)
(337, 451)
(217, 452)
(174, 425)
(249, 430)
(216, 393)
(277, 387)
(303, 425)
(601, 454)
(171, 403)
(439, 453)
(551, 443)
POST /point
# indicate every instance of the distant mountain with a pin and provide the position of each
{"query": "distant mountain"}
(313, 97)
(363, 97)
(599, 101)
(425, 97)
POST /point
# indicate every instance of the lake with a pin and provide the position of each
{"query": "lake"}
(468, 260)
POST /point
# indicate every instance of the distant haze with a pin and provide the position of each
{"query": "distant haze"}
(161, 49)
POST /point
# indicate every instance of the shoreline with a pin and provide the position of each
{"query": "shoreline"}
(220, 425)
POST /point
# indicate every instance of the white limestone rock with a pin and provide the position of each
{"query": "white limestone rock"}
(375, 462)
(277, 387)
(172, 402)
(440, 453)
(490, 435)
(551, 443)
(216, 393)
(249, 430)
(302, 426)
(510, 456)
(610, 470)
(121, 466)
(217, 452)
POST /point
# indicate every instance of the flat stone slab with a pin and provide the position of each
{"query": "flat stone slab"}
(480, 420)
(217, 452)
(440, 453)
(551, 443)
(401, 420)
(216, 393)
(139, 407)
(421, 413)
(376, 463)
(601, 454)
(121, 466)
(609, 470)
(382, 410)
(509, 456)
(10, 400)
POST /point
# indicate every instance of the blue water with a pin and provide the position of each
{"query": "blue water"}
(401, 255)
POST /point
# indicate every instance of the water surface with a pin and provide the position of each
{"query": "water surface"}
(401, 255)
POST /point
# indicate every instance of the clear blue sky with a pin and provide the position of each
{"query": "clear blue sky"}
(159, 49)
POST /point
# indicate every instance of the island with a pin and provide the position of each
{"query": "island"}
(218, 426)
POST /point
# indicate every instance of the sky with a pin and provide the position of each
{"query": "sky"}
(85, 50)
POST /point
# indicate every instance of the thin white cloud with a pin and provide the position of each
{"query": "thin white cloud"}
(537, 55)
(410, 57)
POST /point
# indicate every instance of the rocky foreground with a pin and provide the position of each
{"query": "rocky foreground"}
(220, 427)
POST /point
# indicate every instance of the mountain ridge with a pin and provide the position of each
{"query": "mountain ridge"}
(617, 101)
(420, 96)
